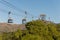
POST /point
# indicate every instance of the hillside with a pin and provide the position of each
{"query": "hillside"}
(5, 27)
(35, 30)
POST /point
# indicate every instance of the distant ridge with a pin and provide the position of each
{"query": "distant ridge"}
(6, 27)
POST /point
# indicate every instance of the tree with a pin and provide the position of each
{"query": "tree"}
(31, 37)
(43, 28)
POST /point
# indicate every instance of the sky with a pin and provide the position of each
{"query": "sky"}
(33, 7)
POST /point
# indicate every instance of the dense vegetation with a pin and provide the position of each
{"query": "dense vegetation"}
(36, 30)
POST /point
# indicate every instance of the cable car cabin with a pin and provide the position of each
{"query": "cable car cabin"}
(10, 20)
(23, 21)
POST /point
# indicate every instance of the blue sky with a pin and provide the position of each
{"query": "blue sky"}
(35, 7)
